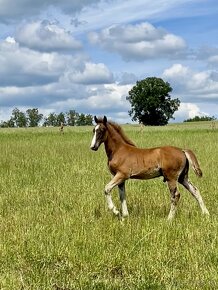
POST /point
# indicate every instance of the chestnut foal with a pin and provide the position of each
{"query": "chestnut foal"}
(126, 161)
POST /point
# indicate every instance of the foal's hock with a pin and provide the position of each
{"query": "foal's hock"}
(126, 161)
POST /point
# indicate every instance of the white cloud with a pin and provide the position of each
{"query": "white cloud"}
(187, 111)
(177, 70)
(33, 78)
(198, 86)
(92, 74)
(138, 42)
(109, 97)
(101, 99)
(46, 36)
(20, 66)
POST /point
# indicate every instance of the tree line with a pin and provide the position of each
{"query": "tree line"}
(202, 118)
(32, 118)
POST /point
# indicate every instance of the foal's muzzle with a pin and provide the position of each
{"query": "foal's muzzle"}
(95, 148)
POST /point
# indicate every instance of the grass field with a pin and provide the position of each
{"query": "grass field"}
(56, 232)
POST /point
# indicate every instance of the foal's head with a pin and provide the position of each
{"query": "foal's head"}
(99, 132)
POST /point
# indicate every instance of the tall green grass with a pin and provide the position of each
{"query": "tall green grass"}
(55, 229)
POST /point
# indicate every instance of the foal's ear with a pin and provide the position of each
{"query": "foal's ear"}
(96, 119)
(105, 120)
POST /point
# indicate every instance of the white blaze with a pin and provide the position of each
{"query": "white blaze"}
(94, 137)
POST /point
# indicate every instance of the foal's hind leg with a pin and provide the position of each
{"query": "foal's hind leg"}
(175, 195)
(122, 194)
(196, 194)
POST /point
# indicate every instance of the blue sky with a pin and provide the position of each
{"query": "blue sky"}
(87, 55)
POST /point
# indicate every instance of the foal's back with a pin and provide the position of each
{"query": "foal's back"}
(148, 163)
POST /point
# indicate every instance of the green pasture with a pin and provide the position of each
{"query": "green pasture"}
(57, 233)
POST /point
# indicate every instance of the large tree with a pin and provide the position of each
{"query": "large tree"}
(151, 103)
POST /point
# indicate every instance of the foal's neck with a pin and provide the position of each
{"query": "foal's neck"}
(113, 142)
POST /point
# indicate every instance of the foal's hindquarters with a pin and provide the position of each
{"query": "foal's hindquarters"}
(175, 168)
(184, 180)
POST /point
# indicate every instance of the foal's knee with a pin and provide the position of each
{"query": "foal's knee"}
(107, 189)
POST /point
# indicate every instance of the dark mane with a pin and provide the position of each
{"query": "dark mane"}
(120, 131)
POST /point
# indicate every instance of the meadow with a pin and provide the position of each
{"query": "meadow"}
(57, 233)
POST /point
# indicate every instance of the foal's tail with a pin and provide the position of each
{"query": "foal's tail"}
(194, 162)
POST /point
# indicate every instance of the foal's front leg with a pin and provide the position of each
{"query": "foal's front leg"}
(117, 180)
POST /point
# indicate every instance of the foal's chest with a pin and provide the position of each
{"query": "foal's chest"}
(112, 167)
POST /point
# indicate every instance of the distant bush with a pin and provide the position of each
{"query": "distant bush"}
(198, 119)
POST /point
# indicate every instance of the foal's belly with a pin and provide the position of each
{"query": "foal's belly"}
(146, 175)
